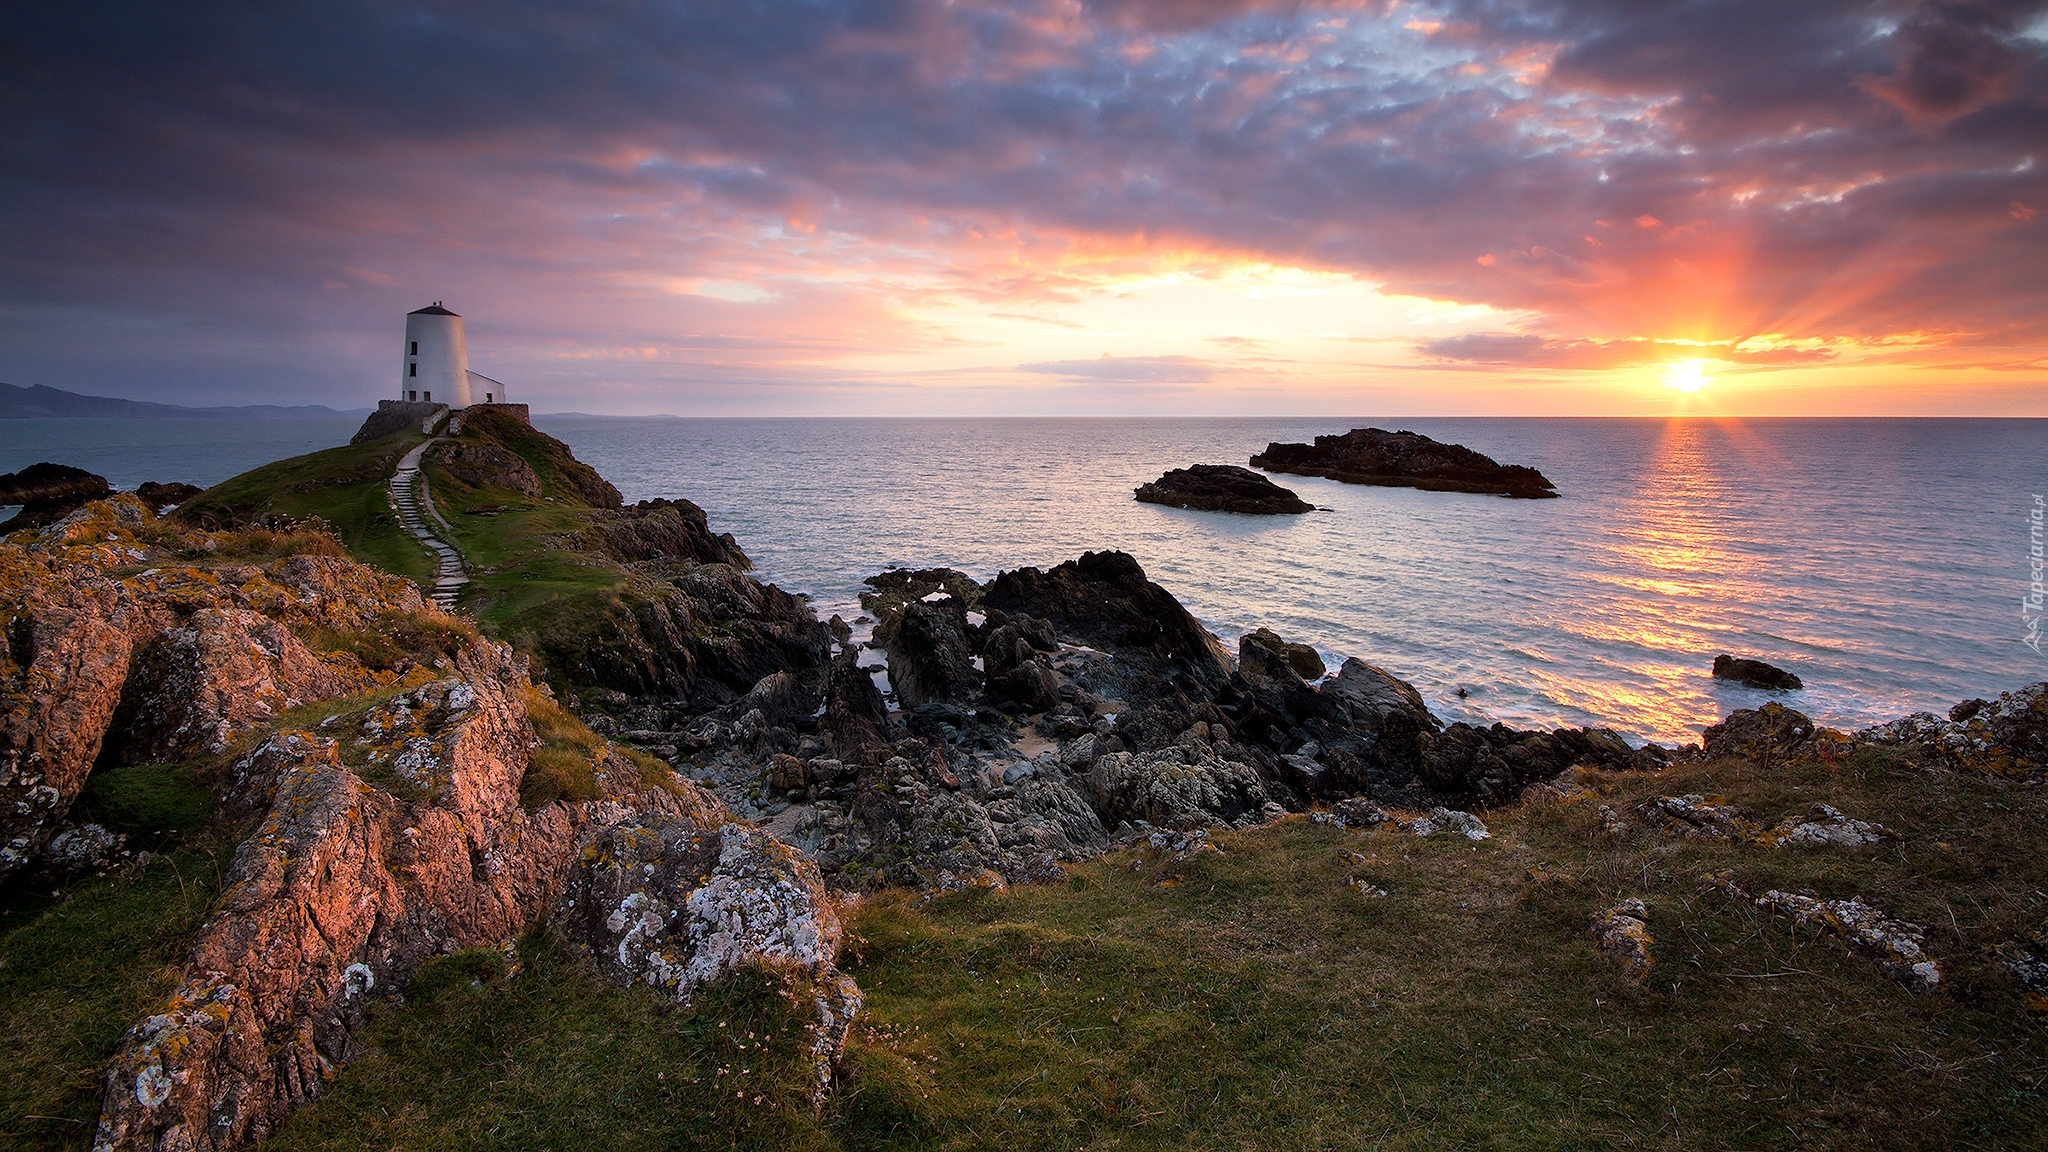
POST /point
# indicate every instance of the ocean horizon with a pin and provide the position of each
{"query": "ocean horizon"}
(1882, 559)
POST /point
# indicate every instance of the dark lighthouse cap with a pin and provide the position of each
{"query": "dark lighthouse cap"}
(434, 309)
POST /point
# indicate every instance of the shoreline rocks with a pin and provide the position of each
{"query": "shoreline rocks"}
(48, 492)
(1754, 673)
(1222, 488)
(1404, 459)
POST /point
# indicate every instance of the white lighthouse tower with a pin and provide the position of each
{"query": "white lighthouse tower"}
(436, 367)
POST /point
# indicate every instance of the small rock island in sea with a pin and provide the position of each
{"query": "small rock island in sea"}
(1405, 460)
(1222, 488)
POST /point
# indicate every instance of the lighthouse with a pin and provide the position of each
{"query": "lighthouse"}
(436, 358)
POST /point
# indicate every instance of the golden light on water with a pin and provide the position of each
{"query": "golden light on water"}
(1687, 375)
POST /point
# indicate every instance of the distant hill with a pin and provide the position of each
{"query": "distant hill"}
(37, 400)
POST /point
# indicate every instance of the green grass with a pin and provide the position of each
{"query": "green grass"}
(345, 487)
(75, 972)
(549, 1055)
(1253, 1000)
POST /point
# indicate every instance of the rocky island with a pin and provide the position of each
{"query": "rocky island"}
(632, 843)
(1404, 460)
(1222, 488)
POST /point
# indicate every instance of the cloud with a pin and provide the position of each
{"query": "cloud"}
(187, 180)
(1127, 370)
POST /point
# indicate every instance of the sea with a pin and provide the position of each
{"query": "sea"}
(1886, 561)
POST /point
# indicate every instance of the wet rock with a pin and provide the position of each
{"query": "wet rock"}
(1302, 658)
(856, 720)
(781, 698)
(1753, 673)
(1404, 459)
(1105, 601)
(2007, 737)
(1893, 945)
(929, 657)
(1016, 666)
(1222, 488)
(1623, 932)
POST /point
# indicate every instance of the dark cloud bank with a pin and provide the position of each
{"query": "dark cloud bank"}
(231, 202)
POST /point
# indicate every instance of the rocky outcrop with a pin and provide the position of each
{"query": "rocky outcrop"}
(1104, 600)
(1754, 673)
(676, 904)
(47, 493)
(480, 464)
(405, 839)
(1623, 932)
(1305, 661)
(1222, 488)
(1189, 785)
(657, 530)
(1404, 460)
(70, 637)
(1772, 733)
(1702, 817)
(158, 665)
(1894, 946)
(162, 497)
(929, 656)
(2007, 737)
(702, 634)
(222, 672)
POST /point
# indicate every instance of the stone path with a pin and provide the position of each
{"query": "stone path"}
(410, 496)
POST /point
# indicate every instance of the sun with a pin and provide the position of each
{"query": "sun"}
(1687, 375)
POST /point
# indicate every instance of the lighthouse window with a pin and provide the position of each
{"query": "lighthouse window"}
(415, 347)
(415, 370)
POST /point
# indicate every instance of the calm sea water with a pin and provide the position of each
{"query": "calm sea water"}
(1883, 560)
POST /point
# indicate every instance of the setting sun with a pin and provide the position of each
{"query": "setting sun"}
(1687, 375)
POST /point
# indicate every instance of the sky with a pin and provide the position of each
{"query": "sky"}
(1041, 207)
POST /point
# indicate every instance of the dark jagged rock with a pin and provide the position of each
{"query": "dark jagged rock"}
(855, 725)
(929, 657)
(48, 492)
(161, 496)
(51, 482)
(661, 530)
(1222, 488)
(1754, 673)
(1015, 666)
(1303, 658)
(1104, 600)
(890, 593)
(1404, 460)
(704, 634)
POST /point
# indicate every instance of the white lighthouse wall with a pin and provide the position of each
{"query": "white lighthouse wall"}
(443, 360)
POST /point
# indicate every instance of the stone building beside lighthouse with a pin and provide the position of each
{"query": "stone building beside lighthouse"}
(435, 385)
